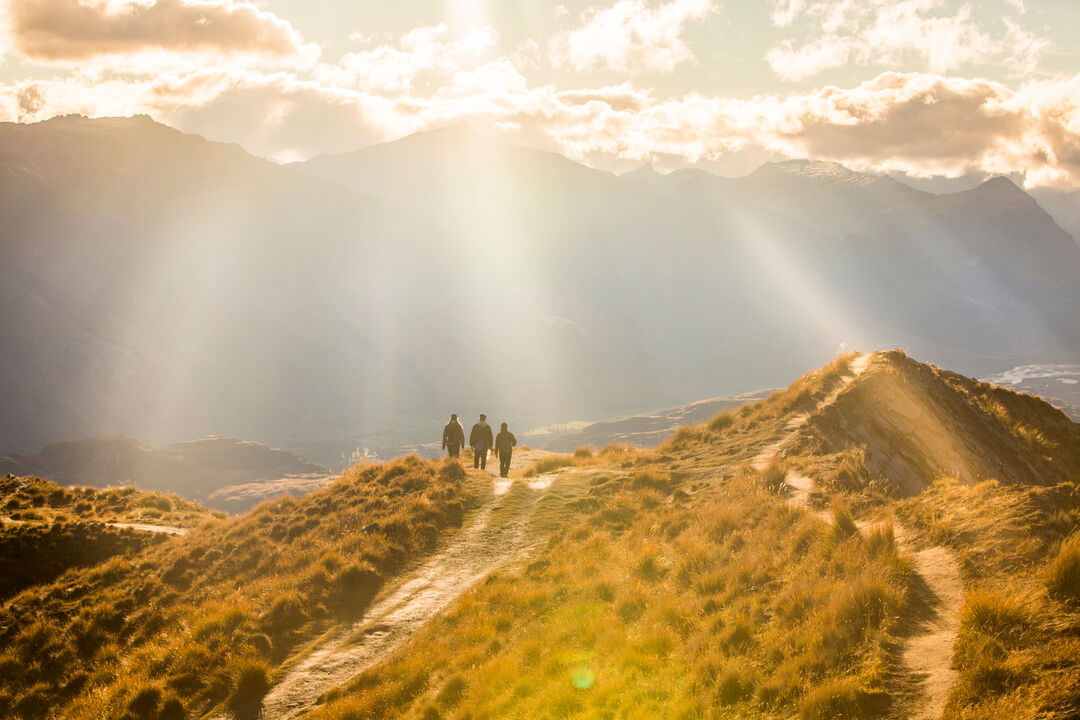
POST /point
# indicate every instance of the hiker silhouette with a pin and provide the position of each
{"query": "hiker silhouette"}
(504, 449)
(453, 436)
(480, 440)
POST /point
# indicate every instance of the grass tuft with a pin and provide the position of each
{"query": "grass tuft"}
(1062, 576)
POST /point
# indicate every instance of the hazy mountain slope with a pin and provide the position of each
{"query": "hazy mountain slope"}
(162, 287)
(200, 470)
(1063, 205)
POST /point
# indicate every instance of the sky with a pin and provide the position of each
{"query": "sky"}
(928, 88)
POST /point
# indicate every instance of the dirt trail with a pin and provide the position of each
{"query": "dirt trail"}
(927, 655)
(497, 534)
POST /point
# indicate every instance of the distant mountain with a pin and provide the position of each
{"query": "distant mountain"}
(159, 286)
(206, 470)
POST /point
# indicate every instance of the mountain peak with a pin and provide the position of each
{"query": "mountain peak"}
(817, 172)
(1001, 185)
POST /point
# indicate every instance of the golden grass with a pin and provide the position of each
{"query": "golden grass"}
(205, 619)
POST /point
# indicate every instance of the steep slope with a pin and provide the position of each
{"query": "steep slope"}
(46, 529)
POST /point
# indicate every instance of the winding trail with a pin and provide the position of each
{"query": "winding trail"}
(927, 654)
(497, 534)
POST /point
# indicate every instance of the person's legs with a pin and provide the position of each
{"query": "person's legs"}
(483, 459)
(476, 457)
(504, 464)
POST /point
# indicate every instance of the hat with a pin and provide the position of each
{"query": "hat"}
(453, 416)
(483, 416)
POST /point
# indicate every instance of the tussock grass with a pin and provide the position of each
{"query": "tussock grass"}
(1062, 576)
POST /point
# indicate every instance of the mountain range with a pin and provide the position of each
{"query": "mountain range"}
(160, 286)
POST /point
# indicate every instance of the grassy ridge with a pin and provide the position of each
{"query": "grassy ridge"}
(204, 619)
(33, 500)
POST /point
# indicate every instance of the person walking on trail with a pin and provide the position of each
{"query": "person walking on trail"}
(504, 449)
(453, 436)
(480, 440)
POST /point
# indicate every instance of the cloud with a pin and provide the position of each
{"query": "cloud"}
(75, 31)
(785, 11)
(393, 69)
(893, 33)
(915, 123)
(630, 36)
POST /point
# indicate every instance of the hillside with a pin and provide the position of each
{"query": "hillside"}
(644, 431)
(162, 287)
(223, 473)
(881, 539)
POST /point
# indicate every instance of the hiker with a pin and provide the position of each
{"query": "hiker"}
(504, 448)
(480, 441)
(453, 436)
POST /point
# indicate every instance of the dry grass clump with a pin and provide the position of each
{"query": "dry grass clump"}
(206, 618)
(1062, 576)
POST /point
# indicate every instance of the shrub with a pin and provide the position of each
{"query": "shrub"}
(452, 692)
(840, 700)
(583, 453)
(995, 614)
(734, 684)
(843, 525)
(722, 421)
(251, 681)
(1063, 575)
(145, 703)
(773, 476)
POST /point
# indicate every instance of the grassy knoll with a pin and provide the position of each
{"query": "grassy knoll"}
(195, 621)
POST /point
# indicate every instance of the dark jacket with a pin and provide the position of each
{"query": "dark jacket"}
(453, 435)
(505, 443)
(480, 437)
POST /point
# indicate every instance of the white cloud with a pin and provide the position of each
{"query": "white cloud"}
(629, 36)
(141, 34)
(896, 33)
(785, 11)
(393, 69)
